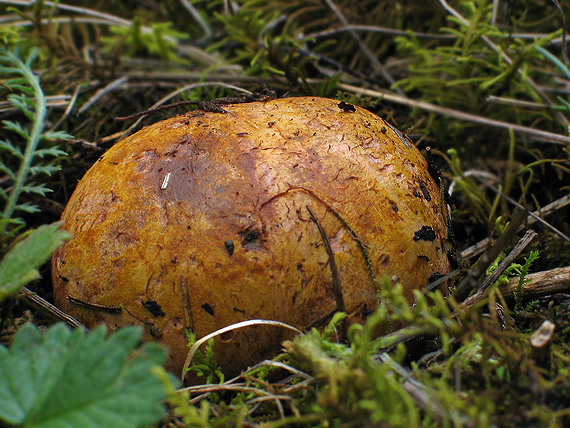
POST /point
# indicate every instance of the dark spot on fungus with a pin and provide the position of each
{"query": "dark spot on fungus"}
(241, 311)
(426, 233)
(383, 130)
(227, 336)
(423, 257)
(366, 311)
(155, 332)
(434, 277)
(346, 107)
(448, 199)
(242, 134)
(416, 193)
(174, 260)
(63, 278)
(384, 260)
(229, 244)
(294, 298)
(270, 124)
(424, 189)
(454, 258)
(251, 239)
(208, 308)
(154, 308)
(394, 206)
(433, 169)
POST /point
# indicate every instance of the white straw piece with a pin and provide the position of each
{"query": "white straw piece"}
(231, 327)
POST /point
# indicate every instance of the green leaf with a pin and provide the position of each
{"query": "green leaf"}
(31, 101)
(15, 127)
(52, 151)
(43, 169)
(21, 264)
(40, 189)
(69, 379)
(56, 135)
(28, 208)
(15, 151)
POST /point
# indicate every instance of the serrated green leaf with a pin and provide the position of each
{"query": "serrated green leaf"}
(43, 169)
(69, 379)
(52, 151)
(25, 88)
(19, 266)
(17, 82)
(32, 102)
(8, 70)
(27, 208)
(14, 151)
(7, 171)
(40, 189)
(16, 127)
(56, 135)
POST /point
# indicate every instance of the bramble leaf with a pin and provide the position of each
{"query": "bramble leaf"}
(69, 379)
(21, 264)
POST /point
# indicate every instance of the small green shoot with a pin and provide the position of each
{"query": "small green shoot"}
(205, 365)
(160, 40)
(522, 272)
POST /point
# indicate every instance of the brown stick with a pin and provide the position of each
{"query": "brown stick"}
(541, 283)
(479, 247)
(47, 308)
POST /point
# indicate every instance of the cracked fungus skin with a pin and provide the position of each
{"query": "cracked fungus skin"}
(208, 219)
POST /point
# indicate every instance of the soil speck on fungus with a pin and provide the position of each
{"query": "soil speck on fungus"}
(229, 244)
(251, 239)
(426, 233)
(208, 308)
(154, 308)
(424, 189)
(346, 107)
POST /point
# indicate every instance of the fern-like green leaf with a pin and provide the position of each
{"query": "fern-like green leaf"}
(14, 151)
(17, 128)
(32, 103)
(51, 151)
(39, 189)
(43, 169)
(27, 208)
(56, 135)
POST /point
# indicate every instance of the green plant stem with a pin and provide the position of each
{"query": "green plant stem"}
(35, 135)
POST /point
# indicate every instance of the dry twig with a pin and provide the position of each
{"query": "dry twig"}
(540, 283)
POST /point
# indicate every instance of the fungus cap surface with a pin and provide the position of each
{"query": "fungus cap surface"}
(208, 219)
